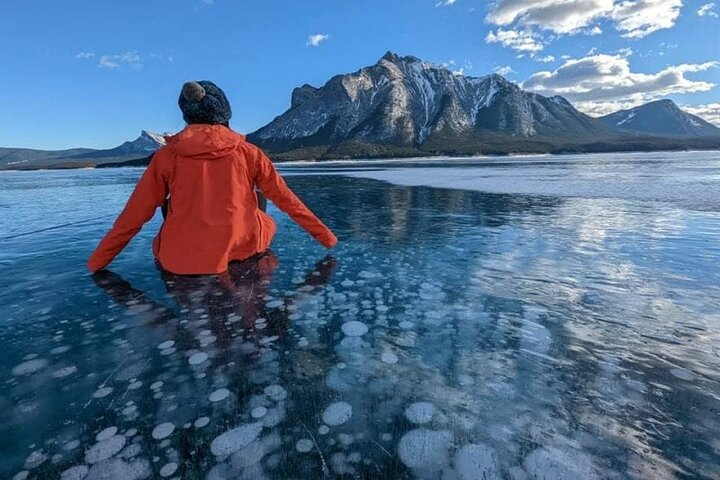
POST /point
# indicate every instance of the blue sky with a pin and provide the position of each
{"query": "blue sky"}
(95, 72)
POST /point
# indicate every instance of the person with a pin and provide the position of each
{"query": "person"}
(206, 176)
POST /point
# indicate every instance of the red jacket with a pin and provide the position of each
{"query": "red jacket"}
(210, 174)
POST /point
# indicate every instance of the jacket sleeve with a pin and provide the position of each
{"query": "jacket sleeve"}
(274, 188)
(149, 194)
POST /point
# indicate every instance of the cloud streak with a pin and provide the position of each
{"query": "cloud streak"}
(707, 10)
(112, 62)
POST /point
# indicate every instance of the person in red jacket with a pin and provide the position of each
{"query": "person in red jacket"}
(207, 175)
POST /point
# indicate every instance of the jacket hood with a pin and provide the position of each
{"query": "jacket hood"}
(205, 142)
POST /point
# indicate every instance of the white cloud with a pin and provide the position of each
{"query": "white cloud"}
(709, 112)
(445, 3)
(504, 71)
(543, 20)
(112, 62)
(84, 55)
(638, 18)
(707, 9)
(520, 40)
(546, 59)
(558, 16)
(602, 83)
(316, 39)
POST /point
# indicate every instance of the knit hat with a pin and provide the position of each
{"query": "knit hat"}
(204, 102)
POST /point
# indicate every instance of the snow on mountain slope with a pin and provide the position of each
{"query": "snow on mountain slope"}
(405, 101)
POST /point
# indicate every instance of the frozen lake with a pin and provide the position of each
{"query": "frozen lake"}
(522, 318)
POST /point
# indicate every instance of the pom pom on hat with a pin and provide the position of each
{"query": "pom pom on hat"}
(193, 92)
(204, 102)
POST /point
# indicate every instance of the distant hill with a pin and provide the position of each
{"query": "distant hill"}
(661, 117)
(28, 159)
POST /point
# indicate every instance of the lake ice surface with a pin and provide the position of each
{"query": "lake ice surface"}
(521, 318)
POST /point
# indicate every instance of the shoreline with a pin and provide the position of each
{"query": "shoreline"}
(395, 160)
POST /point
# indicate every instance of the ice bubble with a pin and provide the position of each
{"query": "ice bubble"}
(105, 449)
(304, 445)
(354, 329)
(338, 462)
(117, 468)
(168, 469)
(274, 304)
(131, 432)
(35, 459)
(201, 422)
(235, 439)
(389, 357)
(64, 372)
(135, 385)
(129, 410)
(420, 412)
(423, 448)
(31, 366)
(105, 434)
(60, 349)
(276, 392)
(476, 462)
(258, 412)
(347, 283)
(559, 464)
(254, 452)
(682, 374)
(166, 345)
(156, 386)
(323, 430)
(78, 472)
(219, 395)
(163, 430)
(273, 417)
(198, 358)
(71, 445)
(464, 379)
(337, 414)
(21, 475)
(405, 325)
(102, 392)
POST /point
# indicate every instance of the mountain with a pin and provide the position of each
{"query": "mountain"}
(29, 159)
(408, 104)
(661, 117)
